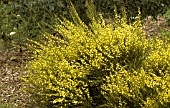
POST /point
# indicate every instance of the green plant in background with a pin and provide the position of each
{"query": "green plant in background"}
(99, 65)
(8, 23)
(148, 7)
(167, 16)
(23, 17)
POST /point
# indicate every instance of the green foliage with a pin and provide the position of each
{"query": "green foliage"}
(24, 17)
(7, 25)
(167, 16)
(148, 7)
(99, 65)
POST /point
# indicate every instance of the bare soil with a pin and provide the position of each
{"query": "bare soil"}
(11, 70)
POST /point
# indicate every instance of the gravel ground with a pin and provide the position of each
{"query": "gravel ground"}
(11, 69)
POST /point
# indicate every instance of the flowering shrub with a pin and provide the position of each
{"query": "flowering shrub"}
(99, 65)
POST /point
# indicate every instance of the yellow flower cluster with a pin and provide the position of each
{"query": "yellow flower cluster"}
(113, 63)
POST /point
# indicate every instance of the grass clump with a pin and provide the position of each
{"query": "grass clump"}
(99, 65)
